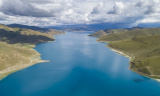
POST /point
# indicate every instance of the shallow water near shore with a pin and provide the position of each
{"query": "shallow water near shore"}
(79, 66)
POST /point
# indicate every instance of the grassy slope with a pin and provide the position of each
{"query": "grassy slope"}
(16, 57)
(55, 32)
(16, 48)
(107, 32)
(99, 33)
(144, 48)
(110, 31)
(130, 34)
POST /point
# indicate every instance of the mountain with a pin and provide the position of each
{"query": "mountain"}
(90, 27)
(130, 34)
(109, 31)
(28, 27)
(73, 28)
(99, 33)
(21, 35)
(16, 50)
(55, 32)
(135, 28)
(141, 46)
(42, 30)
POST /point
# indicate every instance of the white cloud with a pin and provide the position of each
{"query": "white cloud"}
(117, 8)
(56, 12)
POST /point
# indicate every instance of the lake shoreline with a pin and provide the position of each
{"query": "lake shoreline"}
(34, 59)
(131, 58)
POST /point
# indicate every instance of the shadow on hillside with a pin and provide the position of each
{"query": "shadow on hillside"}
(12, 37)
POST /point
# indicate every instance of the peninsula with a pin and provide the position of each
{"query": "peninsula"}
(16, 47)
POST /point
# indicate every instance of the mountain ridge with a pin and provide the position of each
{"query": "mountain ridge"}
(109, 31)
(35, 28)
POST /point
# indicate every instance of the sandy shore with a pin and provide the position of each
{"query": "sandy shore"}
(131, 58)
(157, 80)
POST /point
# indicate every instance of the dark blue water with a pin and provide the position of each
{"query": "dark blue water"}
(79, 66)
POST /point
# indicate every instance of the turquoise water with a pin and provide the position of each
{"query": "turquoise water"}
(79, 66)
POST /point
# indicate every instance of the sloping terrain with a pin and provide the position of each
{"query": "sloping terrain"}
(130, 34)
(99, 34)
(141, 46)
(20, 35)
(16, 57)
(110, 31)
(42, 30)
(16, 50)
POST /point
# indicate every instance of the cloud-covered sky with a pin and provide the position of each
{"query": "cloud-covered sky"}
(60, 12)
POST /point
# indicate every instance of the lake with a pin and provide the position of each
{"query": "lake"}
(79, 66)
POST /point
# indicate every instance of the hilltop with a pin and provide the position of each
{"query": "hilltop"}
(142, 46)
(21, 35)
(130, 34)
(110, 31)
(35, 28)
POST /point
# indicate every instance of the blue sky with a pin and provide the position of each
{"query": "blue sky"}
(70, 12)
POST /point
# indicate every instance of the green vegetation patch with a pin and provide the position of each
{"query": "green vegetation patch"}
(143, 46)
(130, 34)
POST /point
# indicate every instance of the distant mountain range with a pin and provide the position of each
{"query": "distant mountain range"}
(100, 26)
(90, 27)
